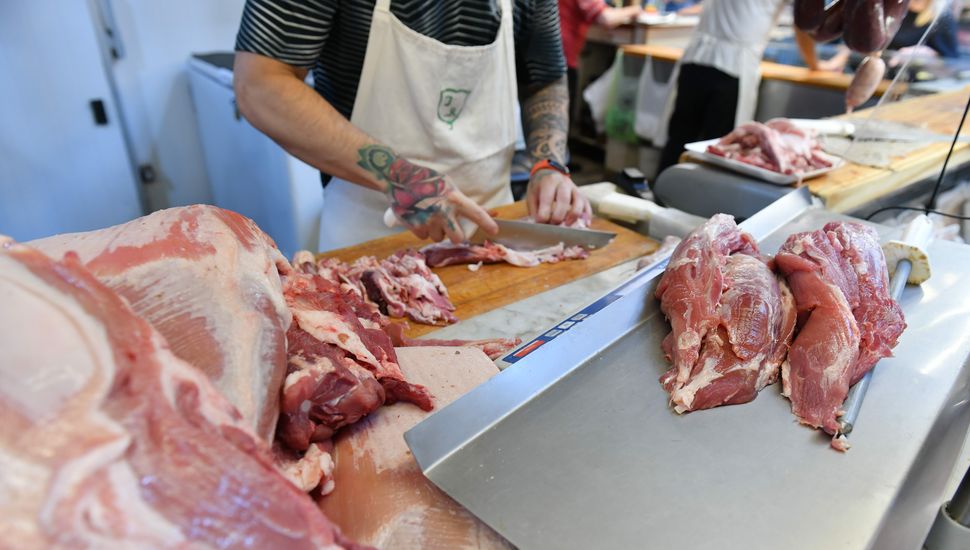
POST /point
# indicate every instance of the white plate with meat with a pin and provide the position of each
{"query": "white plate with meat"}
(781, 151)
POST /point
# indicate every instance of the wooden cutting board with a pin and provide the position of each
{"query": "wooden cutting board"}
(497, 285)
(854, 185)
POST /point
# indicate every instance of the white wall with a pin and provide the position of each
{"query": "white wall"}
(158, 37)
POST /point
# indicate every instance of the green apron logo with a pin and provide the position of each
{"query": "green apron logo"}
(450, 103)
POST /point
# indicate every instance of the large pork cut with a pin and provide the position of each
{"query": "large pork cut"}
(777, 145)
(847, 320)
(731, 318)
(108, 440)
(209, 280)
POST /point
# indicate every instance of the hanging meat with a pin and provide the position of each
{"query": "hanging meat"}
(866, 26)
(731, 318)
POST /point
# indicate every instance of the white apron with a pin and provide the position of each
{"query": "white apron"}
(730, 37)
(450, 108)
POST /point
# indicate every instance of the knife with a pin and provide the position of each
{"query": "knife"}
(522, 235)
(862, 132)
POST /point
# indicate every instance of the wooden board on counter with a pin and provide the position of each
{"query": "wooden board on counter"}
(497, 285)
(854, 185)
(769, 70)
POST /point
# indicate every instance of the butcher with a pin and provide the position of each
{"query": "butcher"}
(412, 108)
(719, 73)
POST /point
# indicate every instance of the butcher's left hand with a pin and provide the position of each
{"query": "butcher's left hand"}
(554, 198)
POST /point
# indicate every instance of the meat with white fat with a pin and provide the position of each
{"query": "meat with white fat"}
(732, 318)
(209, 280)
(443, 254)
(777, 145)
(110, 440)
(847, 320)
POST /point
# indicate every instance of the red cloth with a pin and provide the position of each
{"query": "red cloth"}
(575, 17)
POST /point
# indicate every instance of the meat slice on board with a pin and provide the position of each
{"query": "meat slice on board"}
(381, 497)
(110, 440)
(442, 254)
(732, 318)
(209, 280)
(847, 320)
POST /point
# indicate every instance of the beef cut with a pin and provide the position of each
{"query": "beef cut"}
(111, 441)
(777, 145)
(846, 319)
(731, 318)
(209, 280)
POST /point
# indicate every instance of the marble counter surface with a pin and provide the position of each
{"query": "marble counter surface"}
(532, 316)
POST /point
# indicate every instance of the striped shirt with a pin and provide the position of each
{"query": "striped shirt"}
(330, 36)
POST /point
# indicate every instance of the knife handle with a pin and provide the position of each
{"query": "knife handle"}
(390, 220)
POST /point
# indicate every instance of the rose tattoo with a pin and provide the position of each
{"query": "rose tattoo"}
(417, 193)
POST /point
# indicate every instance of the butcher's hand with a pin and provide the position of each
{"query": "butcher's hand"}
(554, 198)
(424, 200)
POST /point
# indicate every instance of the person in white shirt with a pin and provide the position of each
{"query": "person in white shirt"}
(719, 73)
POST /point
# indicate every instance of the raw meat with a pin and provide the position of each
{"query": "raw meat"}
(847, 321)
(442, 254)
(743, 353)
(690, 289)
(732, 319)
(381, 496)
(209, 280)
(879, 317)
(111, 441)
(342, 364)
(400, 285)
(778, 145)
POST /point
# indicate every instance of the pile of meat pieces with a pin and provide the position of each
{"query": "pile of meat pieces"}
(401, 285)
(145, 368)
(777, 145)
(823, 321)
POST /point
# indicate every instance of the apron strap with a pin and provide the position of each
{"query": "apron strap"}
(383, 5)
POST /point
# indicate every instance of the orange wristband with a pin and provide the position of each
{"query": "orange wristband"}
(548, 164)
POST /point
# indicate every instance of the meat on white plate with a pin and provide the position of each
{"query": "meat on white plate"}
(209, 280)
(847, 319)
(777, 145)
(731, 318)
(111, 441)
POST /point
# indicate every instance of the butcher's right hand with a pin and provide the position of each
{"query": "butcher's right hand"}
(422, 199)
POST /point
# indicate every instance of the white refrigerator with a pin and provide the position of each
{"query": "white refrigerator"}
(248, 172)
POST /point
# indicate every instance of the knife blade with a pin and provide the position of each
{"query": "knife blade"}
(522, 235)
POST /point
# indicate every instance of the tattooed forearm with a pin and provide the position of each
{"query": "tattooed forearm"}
(417, 193)
(545, 118)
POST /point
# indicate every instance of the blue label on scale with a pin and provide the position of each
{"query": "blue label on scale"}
(643, 277)
(565, 326)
